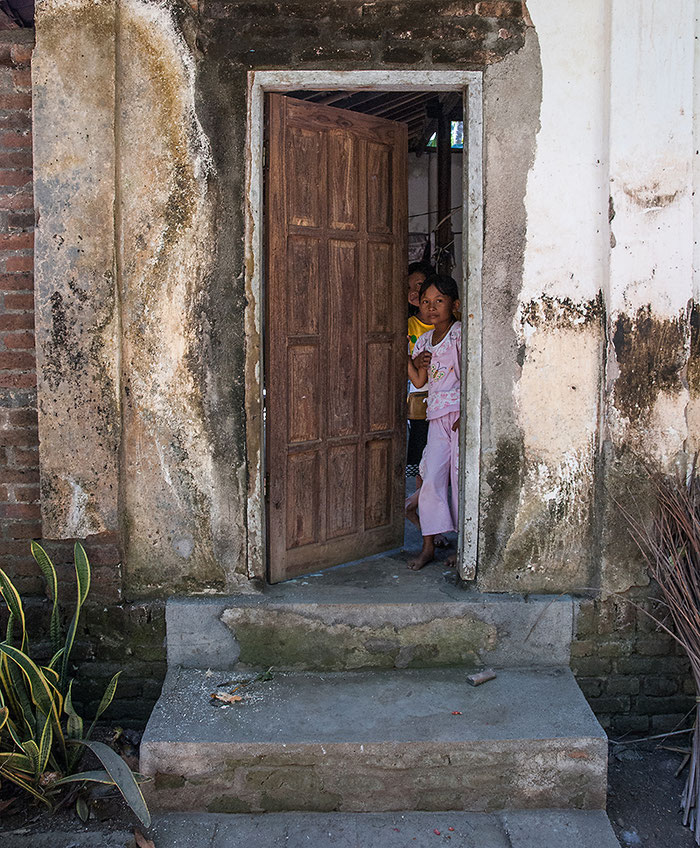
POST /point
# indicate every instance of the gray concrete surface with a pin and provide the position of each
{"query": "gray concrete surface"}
(375, 741)
(529, 829)
(372, 614)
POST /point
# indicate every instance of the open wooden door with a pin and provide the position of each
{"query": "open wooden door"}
(335, 377)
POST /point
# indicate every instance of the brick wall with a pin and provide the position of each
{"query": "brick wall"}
(19, 448)
(114, 635)
(635, 676)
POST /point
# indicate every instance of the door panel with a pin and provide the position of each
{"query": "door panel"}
(335, 335)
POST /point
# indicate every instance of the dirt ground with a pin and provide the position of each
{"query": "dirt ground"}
(644, 795)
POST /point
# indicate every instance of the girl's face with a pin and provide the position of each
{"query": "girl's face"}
(437, 307)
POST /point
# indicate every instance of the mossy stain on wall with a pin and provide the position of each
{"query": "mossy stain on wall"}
(650, 353)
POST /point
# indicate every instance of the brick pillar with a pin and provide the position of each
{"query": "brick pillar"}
(19, 456)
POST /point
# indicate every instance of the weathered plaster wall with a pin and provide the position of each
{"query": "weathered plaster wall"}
(601, 321)
(179, 492)
(650, 258)
(543, 313)
(131, 316)
(77, 326)
(140, 280)
(141, 269)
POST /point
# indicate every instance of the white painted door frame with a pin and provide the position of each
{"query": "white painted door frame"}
(470, 84)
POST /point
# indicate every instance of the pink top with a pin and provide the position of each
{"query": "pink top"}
(444, 371)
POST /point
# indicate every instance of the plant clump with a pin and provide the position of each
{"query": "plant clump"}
(43, 740)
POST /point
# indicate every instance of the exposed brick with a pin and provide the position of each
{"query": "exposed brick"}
(15, 101)
(19, 263)
(16, 159)
(16, 360)
(17, 380)
(15, 177)
(21, 530)
(27, 494)
(662, 706)
(499, 9)
(619, 685)
(22, 78)
(18, 341)
(27, 457)
(15, 140)
(610, 705)
(19, 301)
(591, 666)
(20, 220)
(669, 723)
(23, 510)
(591, 686)
(15, 120)
(19, 475)
(660, 686)
(630, 724)
(22, 417)
(17, 322)
(21, 54)
(14, 548)
(18, 199)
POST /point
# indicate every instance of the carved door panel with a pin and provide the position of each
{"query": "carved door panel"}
(335, 335)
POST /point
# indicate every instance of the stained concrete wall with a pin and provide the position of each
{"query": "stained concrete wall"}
(140, 293)
(593, 383)
(139, 426)
(587, 267)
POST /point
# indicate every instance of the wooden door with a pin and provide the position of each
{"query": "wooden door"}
(335, 335)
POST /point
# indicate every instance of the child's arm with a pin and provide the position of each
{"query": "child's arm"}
(418, 369)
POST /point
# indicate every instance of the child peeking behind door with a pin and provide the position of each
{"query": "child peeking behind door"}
(437, 362)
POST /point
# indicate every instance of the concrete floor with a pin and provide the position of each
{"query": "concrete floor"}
(514, 829)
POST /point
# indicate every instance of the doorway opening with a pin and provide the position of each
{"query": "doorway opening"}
(334, 349)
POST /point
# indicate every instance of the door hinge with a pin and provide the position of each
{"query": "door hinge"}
(266, 486)
(264, 155)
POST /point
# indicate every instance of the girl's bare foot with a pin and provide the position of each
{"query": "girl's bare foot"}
(426, 555)
(451, 561)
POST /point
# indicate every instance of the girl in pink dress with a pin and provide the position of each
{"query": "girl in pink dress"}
(437, 362)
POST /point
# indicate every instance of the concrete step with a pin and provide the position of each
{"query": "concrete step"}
(375, 614)
(375, 741)
(514, 829)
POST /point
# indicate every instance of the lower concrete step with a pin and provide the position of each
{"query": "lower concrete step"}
(414, 739)
(514, 829)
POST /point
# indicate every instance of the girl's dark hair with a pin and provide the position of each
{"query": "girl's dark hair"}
(443, 283)
(423, 267)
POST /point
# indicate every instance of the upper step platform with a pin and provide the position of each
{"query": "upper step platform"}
(372, 614)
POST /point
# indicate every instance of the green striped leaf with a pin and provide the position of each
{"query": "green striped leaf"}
(74, 725)
(4, 715)
(14, 605)
(40, 689)
(31, 749)
(27, 786)
(82, 572)
(97, 776)
(105, 702)
(123, 778)
(47, 569)
(82, 575)
(45, 743)
(15, 760)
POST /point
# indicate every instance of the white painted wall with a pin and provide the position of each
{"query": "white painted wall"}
(422, 198)
(567, 193)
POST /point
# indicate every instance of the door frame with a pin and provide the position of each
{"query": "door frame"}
(470, 84)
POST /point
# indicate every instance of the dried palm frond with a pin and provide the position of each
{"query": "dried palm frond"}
(670, 544)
